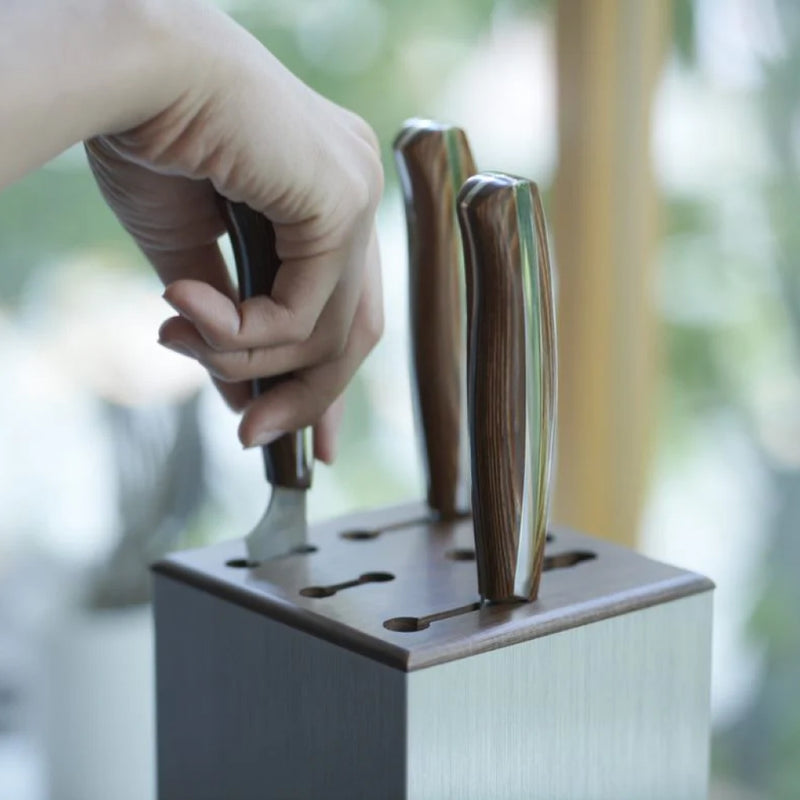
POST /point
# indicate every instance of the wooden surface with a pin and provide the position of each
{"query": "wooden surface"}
(604, 215)
(286, 460)
(433, 161)
(512, 379)
(431, 577)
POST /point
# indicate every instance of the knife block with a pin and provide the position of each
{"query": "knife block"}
(364, 667)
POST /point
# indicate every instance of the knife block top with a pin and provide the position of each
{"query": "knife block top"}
(407, 595)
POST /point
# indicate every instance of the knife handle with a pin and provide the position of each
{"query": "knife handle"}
(511, 380)
(252, 236)
(433, 161)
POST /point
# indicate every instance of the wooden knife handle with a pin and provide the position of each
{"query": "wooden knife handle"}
(433, 161)
(252, 236)
(511, 380)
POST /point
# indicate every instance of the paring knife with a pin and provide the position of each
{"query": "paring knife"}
(433, 161)
(511, 380)
(283, 527)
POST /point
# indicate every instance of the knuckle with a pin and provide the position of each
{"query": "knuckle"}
(366, 132)
(361, 128)
(299, 327)
(354, 190)
(357, 196)
(373, 172)
(339, 345)
(314, 405)
(373, 324)
(364, 182)
(334, 345)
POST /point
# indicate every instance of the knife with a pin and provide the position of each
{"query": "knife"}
(283, 527)
(433, 161)
(511, 378)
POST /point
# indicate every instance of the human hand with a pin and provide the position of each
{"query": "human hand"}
(246, 128)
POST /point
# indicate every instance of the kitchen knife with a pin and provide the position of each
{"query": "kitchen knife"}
(283, 528)
(511, 380)
(433, 161)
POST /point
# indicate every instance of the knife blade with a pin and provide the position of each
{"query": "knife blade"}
(283, 527)
(433, 161)
(512, 377)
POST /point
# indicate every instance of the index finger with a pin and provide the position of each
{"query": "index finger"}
(300, 293)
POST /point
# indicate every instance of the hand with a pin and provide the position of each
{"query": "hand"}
(248, 129)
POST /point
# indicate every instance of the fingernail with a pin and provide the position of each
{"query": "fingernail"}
(178, 347)
(265, 437)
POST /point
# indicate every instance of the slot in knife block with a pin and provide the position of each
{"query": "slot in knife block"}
(367, 669)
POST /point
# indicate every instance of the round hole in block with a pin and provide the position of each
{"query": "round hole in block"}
(550, 537)
(376, 577)
(406, 624)
(360, 535)
(317, 591)
(242, 563)
(461, 554)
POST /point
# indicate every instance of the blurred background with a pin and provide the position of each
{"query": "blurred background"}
(666, 137)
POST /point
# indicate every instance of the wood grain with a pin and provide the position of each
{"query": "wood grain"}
(426, 582)
(433, 161)
(286, 460)
(511, 379)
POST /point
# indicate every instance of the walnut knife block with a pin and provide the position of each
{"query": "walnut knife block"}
(283, 681)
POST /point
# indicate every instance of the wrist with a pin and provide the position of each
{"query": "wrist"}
(143, 62)
(93, 67)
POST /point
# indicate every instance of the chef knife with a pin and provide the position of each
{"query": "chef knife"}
(433, 161)
(511, 380)
(283, 528)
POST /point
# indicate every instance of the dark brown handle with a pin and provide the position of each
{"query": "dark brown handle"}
(433, 161)
(511, 380)
(253, 241)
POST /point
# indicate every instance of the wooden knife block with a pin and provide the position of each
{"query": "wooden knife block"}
(366, 669)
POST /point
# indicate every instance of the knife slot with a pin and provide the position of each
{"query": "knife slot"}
(365, 534)
(249, 563)
(468, 554)
(413, 624)
(329, 591)
(460, 554)
(360, 536)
